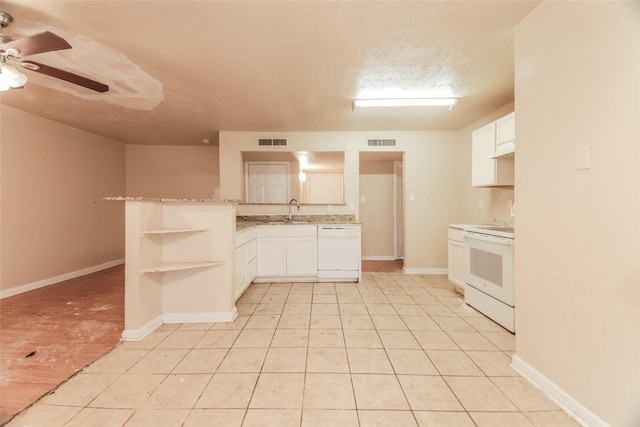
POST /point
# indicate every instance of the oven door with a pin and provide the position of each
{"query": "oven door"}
(489, 265)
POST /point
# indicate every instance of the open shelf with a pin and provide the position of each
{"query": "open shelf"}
(178, 263)
(177, 266)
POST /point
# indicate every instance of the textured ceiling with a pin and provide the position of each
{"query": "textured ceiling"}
(180, 71)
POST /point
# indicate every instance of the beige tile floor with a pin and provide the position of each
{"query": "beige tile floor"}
(394, 350)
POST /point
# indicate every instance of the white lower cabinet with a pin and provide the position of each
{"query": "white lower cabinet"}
(245, 271)
(301, 256)
(272, 256)
(286, 252)
(456, 258)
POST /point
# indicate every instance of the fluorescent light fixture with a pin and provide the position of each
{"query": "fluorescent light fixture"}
(405, 102)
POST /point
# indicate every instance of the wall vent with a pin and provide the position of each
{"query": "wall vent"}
(381, 142)
(272, 142)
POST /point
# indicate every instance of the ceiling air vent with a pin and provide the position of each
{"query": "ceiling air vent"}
(272, 142)
(381, 142)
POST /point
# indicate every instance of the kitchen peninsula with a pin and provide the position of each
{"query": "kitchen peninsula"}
(179, 262)
(189, 260)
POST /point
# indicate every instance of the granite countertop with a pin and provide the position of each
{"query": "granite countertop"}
(247, 221)
(463, 226)
(160, 199)
(500, 222)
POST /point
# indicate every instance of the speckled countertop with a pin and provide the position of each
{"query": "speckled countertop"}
(247, 221)
(504, 222)
(159, 199)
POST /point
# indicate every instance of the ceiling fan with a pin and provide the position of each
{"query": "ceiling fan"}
(14, 50)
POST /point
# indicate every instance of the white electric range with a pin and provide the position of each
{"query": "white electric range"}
(489, 272)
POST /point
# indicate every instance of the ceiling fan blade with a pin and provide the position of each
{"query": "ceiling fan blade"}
(65, 75)
(38, 43)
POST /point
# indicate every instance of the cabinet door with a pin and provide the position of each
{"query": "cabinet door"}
(301, 256)
(456, 264)
(506, 129)
(483, 145)
(271, 256)
(251, 270)
(251, 261)
(240, 279)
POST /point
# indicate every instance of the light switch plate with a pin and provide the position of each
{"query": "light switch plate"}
(583, 160)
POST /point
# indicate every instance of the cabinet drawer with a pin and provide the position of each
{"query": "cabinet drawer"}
(456, 234)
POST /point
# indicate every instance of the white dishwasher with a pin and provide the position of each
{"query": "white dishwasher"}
(339, 253)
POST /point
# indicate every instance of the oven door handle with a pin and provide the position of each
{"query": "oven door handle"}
(492, 239)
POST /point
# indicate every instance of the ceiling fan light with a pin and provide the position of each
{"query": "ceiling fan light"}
(405, 102)
(11, 77)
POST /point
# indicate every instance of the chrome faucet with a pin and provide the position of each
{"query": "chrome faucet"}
(289, 217)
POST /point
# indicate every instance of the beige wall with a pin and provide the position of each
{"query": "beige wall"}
(171, 171)
(53, 218)
(577, 259)
(376, 212)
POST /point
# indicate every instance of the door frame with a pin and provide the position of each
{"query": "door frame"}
(398, 210)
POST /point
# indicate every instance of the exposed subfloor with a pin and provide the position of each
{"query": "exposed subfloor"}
(48, 334)
(394, 350)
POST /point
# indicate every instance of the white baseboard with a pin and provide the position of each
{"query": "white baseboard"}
(379, 258)
(155, 323)
(139, 334)
(424, 270)
(209, 317)
(564, 400)
(57, 279)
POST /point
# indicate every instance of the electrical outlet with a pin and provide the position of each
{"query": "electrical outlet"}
(329, 208)
(352, 206)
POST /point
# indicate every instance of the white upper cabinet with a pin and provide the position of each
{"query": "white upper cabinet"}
(487, 171)
(505, 136)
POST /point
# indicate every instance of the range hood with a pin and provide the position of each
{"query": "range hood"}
(506, 150)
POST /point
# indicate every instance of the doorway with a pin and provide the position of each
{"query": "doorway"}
(381, 206)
